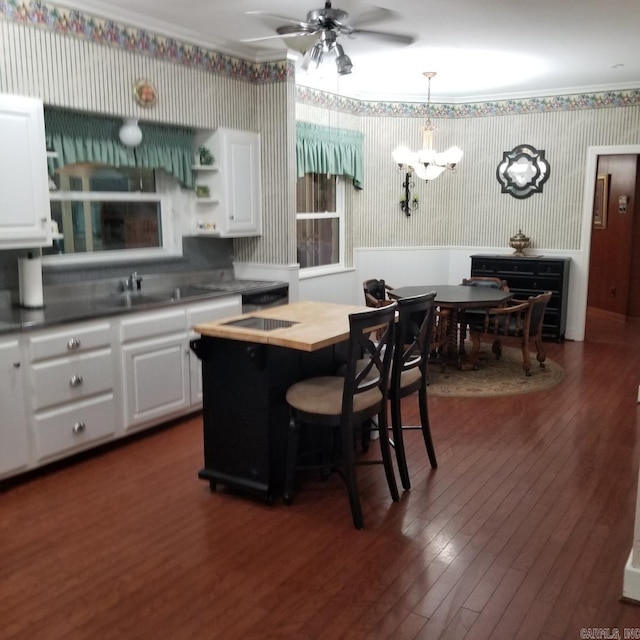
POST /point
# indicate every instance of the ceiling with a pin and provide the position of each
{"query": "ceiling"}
(487, 50)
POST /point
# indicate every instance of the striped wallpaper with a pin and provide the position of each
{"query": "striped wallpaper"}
(76, 73)
(466, 207)
(461, 208)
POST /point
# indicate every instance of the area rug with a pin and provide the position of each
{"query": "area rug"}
(503, 377)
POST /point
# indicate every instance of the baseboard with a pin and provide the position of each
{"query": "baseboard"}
(606, 315)
(631, 582)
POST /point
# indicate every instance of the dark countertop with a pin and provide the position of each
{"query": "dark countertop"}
(16, 318)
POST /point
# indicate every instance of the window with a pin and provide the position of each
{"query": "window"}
(99, 209)
(320, 221)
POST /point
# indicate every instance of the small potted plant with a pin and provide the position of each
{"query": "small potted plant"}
(206, 157)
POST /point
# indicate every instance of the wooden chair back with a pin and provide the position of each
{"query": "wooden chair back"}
(409, 372)
(519, 319)
(376, 292)
(486, 281)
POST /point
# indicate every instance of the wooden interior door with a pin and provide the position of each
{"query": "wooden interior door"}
(613, 241)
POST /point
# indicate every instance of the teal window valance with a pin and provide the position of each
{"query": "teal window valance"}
(329, 151)
(78, 137)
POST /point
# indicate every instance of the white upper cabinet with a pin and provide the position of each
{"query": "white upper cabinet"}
(25, 215)
(233, 205)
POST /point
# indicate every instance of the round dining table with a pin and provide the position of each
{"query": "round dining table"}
(456, 298)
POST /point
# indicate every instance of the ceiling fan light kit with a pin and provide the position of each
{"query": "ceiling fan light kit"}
(328, 24)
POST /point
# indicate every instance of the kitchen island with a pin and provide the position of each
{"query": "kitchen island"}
(248, 363)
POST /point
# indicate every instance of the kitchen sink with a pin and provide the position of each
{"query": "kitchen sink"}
(129, 299)
(126, 300)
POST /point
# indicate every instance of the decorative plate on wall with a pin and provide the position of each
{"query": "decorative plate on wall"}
(145, 93)
(522, 171)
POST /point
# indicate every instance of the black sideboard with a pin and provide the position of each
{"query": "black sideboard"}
(529, 276)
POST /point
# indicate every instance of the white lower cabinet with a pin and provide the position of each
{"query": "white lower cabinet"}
(156, 379)
(161, 378)
(14, 433)
(71, 377)
(76, 386)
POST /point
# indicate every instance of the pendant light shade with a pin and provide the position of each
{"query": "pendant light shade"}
(130, 133)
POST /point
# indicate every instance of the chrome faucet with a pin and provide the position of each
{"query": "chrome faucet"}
(132, 283)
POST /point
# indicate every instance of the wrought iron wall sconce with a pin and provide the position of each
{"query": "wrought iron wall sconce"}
(408, 203)
(522, 171)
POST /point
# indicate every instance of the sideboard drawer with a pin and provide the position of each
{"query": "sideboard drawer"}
(483, 266)
(521, 267)
(549, 268)
(533, 285)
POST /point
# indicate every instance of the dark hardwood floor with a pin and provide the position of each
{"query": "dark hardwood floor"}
(522, 532)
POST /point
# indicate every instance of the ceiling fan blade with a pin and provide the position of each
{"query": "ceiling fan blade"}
(300, 30)
(375, 14)
(271, 16)
(397, 38)
(278, 36)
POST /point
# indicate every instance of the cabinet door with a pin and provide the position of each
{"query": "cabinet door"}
(239, 153)
(14, 449)
(25, 216)
(156, 380)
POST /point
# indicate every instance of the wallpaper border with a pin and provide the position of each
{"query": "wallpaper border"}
(601, 100)
(76, 23)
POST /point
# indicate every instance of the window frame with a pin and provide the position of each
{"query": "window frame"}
(160, 196)
(339, 214)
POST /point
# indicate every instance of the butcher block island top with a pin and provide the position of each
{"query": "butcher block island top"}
(305, 326)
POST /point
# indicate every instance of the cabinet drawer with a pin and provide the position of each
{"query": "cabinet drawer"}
(551, 268)
(73, 378)
(148, 325)
(70, 340)
(534, 285)
(483, 266)
(74, 426)
(519, 267)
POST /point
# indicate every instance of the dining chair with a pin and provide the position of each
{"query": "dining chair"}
(521, 320)
(409, 370)
(474, 316)
(486, 281)
(376, 292)
(345, 404)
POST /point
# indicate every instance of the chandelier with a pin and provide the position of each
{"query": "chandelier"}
(427, 163)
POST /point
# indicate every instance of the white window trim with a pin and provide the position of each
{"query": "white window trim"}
(168, 249)
(309, 272)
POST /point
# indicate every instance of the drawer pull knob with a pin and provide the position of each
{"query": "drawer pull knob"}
(73, 344)
(16, 365)
(79, 427)
(75, 381)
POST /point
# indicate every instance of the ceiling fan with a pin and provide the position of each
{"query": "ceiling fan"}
(328, 24)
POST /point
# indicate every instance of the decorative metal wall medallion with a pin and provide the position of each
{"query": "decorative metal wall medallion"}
(522, 171)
